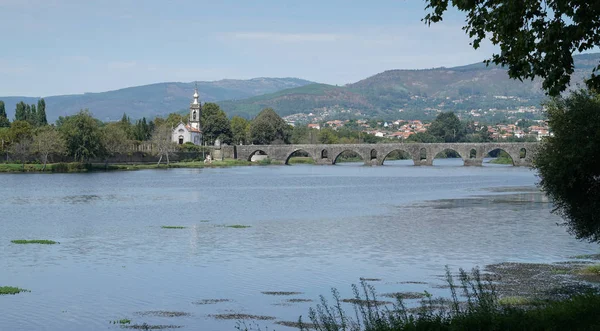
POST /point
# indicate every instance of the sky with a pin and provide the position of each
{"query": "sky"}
(54, 47)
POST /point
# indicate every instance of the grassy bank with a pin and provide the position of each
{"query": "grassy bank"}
(474, 304)
(89, 167)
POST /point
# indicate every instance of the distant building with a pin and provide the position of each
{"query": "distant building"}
(191, 132)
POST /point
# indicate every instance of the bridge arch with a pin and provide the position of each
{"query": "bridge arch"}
(505, 157)
(299, 152)
(446, 153)
(348, 152)
(257, 152)
(397, 154)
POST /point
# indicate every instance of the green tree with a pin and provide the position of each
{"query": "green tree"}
(423, 137)
(5, 141)
(20, 130)
(114, 140)
(175, 118)
(82, 136)
(569, 165)
(41, 113)
(300, 135)
(269, 128)
(48, 141)
(215, 124)
(327, 136)
(142, 131)
(32, 116)
(536, 38)
(4, 121)
(447, 127)
(239, 130)
(20, 112)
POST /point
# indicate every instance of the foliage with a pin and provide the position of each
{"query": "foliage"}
(20, 130)
(480, 310)
(114, 139)
(327, 136)
(422, 137)
(34, 241)
(41, 113)
(11, 290)
(536, 38)
(240, 129)
(161, 139)
(21, 150)
(142, 130)
(269, 128)
(82, 136)
(48, 141)
(4, 121)
(447, 127)
(568, 162)
(215, 124)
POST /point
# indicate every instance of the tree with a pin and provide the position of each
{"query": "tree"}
(32, 116)
(422, 137)
(300, 135)
(267, 127)
(175, 118)
(161, 141)
(536, 38)
(215, 124)
(114, 140)
(4, 141)
(4, 121)
(20, 150)
(447, 127)
(239, 130)
(20, 130)
(569, 165)
(20, 112)
(327, 136)
(41, 113)
(82, 136)
(48, 141)
(142, 131)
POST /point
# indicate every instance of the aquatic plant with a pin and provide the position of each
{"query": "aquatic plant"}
(514, 301)
(172, 227)
(591, 270)
(238, 226)
(34, 241)
(280, 293)
(122, 321)
(11, 290)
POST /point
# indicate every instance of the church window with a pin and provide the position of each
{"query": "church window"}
(194, 115)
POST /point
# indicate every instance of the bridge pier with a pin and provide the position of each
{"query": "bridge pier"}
(473, 162)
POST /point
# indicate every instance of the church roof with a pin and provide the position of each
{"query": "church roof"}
(192, 129)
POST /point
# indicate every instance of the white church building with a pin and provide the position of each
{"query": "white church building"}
(191, 132)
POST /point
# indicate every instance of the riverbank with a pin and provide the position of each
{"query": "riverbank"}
(76, 167)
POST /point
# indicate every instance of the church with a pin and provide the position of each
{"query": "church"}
(191, 132)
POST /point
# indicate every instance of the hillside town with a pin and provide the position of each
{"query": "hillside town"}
(520, 123)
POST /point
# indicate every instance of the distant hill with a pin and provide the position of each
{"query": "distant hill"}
(154, 99)
(472, 86)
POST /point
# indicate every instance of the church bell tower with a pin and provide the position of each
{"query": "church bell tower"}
(195, 111)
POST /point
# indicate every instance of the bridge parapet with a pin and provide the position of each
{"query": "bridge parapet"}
(375, 154)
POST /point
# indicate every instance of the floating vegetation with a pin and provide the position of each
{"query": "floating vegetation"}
(11, 290)
(238, 226)
(370, 279)
(591, 270)
(297, 325)
(209, 301)
(281, 293)
(162, 313)
(365, 302)
(173, 227)
(586, 257)
(121, 321)
(204, 221)
(241, 317)
(405, 295)
(299, 300)
(34, 241)
(413, 282)
(151, 327)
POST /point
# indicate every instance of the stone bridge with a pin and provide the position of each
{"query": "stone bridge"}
(375, 154)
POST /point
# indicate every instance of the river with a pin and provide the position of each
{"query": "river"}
(311, 228)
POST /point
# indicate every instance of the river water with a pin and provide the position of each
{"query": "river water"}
(311, 228)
